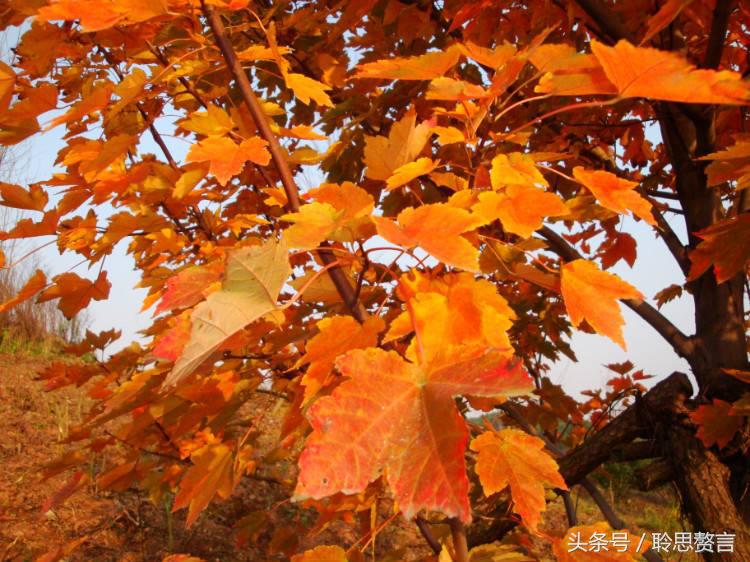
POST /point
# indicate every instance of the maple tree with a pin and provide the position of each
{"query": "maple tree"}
(481, 163)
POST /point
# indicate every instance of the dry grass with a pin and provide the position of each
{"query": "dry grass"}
(29, 326)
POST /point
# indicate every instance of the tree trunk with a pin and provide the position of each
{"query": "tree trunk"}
(719, 308)
(703, 482)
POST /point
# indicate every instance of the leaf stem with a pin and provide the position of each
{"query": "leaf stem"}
(458, 532)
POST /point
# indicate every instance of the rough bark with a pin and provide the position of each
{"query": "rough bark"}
(719, 308)
(655, 475)
(703, 482)
(636, 451)
(636, 421)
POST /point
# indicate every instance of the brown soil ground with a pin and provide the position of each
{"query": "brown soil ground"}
(96, 525)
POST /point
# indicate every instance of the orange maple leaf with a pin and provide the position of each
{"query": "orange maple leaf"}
(392, 414)
(75, 293)
(716, 424)
(726, 245)
(96, 15)
(226, 157)
(422, 67)
(306, 89)
(568, 72)
(189, 286)
(615, 193)
(171, 342)
(35, 199)
(212, 474)
(437, 229)
(7, 82)
(338, 212)
(405, 140)
(27, 228)
(404, 174)
(35, 283)
(513, 458)
(592, 294)
(95, 101)
(458, 308)
(337, 335)
(396, 417)
(520, 208)
(650, 73)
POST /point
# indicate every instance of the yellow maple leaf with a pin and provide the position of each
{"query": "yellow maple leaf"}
(511, 457)
(404, 174)
(520, 208)
(403, 144)
(306, 89)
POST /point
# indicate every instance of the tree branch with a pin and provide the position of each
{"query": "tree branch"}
(570, 510)
(606, 20)
(681, 343)
(663, 194)
(601, 502)
(672, 241)
(637, 451)
(611, 516)
(718, 33)
(337, 275)
(632, 423)
(424, 528)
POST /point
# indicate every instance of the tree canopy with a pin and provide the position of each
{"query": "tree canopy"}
(477, 161)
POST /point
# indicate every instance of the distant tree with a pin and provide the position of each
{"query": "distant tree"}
(479, 158)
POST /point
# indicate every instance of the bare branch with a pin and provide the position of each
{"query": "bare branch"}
(570, 510)
(633, 422)
(458, 532)
(609, 514)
